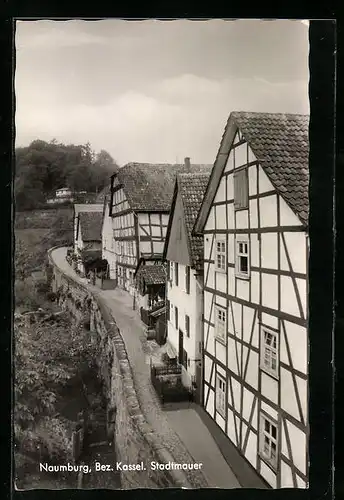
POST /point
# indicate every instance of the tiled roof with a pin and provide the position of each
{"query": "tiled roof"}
(87, 207)
(280, 144)
(192, 188)
(154, 274)
(150, 186)
(91, 225)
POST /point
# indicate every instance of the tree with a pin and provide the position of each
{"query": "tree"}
(48, 354)
(43, 167)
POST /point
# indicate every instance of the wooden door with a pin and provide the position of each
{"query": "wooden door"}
(181, 347)
(198, 383)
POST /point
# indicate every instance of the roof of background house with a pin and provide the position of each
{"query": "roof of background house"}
(103, 194)
(150, 186)
(280, 144)
(90, 223)
(87, 207)
(153, 274)
(192, 188)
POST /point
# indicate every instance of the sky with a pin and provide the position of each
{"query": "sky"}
(154, 91)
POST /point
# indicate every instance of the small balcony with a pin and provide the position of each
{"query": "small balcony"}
(167, 381)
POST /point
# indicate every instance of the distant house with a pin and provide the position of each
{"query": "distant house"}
(184, 295)
(84, 207)
(138, 209)
(108, 242)
(88, 239)
(62, 195)
(254, 221)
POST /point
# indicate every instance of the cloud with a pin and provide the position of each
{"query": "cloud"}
(54, 35)
(184, 117)
(146, 92)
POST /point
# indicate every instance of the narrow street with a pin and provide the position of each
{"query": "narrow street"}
(181, 431)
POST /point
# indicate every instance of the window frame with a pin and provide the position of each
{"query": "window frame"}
(187, 325)
(219, 409)
(222, 240)
(242, 171)
(176, 318)
(242, 240)
(264, 347)
(263, 434)
(223, 310)
(176, 273)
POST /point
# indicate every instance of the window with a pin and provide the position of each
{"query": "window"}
(220, 255)
(268, 440)
(220, 395)
(168, 309)
(269, 351)
(220, 323)
(176, 316)
(187, 325)
(240, 189)
(187, 279)
(176, 272)
(242, 258)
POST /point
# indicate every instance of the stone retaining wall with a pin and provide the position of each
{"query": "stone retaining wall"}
(134, 439)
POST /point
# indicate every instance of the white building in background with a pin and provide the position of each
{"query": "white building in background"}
(254, 222)
(184, 291)
(88, 237)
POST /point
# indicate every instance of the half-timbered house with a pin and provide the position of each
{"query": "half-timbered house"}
(254, 222)
(184, 293)
(139, 206)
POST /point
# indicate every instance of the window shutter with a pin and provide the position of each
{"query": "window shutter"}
(187, 279)
(187, 325)
(240, 189)
(168, 309)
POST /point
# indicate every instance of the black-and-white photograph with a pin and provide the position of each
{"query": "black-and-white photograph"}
(161, 254)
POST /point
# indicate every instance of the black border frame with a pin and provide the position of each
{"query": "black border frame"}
(322, 138)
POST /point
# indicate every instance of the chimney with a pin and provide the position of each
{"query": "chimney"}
(187, 162)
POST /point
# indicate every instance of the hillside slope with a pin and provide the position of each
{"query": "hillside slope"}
(35, 232)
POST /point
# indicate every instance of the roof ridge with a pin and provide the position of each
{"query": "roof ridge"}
(269, 114)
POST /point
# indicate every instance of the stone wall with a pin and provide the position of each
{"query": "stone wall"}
(135, 440)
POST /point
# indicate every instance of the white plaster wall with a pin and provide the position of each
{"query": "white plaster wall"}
(268, 474)
(187, 305)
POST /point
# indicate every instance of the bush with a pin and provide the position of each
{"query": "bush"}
(42, 288)
(52, 296)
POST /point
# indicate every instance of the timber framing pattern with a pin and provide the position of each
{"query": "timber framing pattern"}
(266, 410)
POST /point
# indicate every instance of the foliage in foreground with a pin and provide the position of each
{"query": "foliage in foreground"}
(48, 354)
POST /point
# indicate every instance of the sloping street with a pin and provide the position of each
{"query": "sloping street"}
(181, 431)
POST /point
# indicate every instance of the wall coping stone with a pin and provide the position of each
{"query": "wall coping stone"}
(178, 477)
